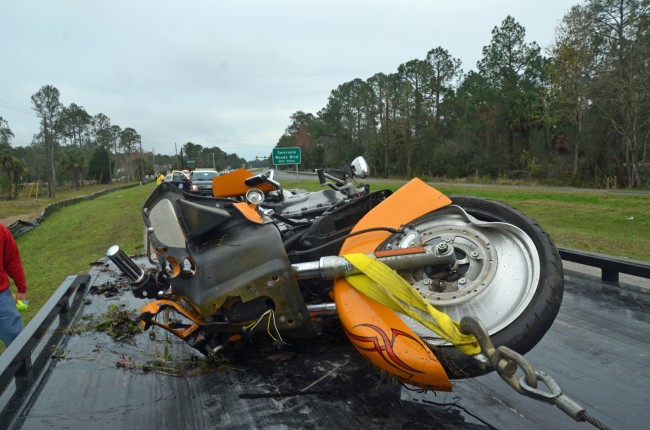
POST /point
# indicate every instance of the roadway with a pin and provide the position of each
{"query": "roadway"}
(597, 351)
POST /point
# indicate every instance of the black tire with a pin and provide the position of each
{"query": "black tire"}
(531, 323)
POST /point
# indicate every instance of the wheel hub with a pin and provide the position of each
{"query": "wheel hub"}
(494, 277)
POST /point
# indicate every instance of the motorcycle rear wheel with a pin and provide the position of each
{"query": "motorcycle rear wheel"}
(509, 276)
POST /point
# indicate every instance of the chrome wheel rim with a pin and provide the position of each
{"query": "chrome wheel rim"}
(496, 277)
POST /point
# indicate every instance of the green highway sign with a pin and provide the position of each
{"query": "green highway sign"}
(286, 156)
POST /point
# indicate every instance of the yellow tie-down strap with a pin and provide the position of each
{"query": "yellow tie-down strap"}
(382, 284)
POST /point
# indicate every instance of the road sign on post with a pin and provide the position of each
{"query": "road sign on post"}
(283, 156)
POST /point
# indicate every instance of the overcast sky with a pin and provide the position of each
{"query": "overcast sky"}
(229, 74)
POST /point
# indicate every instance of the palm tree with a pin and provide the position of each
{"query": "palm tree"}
(73, 161)
(14, 168)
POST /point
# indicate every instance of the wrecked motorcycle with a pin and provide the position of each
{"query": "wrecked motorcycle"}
(398, 269)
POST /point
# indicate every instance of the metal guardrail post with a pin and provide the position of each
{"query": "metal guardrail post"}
(609, 275)
(610, 267)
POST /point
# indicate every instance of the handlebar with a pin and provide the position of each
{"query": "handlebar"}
(262, 179)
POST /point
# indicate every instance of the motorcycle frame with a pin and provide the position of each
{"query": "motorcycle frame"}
(375, 330)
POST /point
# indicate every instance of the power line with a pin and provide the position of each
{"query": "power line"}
(17, 108)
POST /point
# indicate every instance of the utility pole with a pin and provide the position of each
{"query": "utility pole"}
(141, 163)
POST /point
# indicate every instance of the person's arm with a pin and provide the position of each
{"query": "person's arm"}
(14, 266)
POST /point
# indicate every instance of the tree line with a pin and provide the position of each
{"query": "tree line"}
(194, 155)
(72, 146)
(578, 115)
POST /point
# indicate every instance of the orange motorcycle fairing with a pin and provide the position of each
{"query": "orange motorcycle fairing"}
(233, 184)
(375, 330)
(249, 211)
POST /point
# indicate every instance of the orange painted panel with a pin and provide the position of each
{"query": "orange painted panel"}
(232, 184)
(413, 200)
(249, 211)
(376, 331)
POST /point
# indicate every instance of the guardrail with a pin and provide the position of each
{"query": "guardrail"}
(610, 267)
(28, 356)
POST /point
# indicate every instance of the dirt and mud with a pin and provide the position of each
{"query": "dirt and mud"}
(22, 217)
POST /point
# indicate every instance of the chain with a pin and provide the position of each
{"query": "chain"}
(506, 362)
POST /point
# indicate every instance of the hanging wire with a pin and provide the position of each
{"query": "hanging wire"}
(271, 317)
(253, 325)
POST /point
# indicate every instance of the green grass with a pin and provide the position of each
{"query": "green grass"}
(69, 240)
(612, 224)
(34, 205)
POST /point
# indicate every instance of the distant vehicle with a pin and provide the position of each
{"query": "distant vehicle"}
(181, 180)
(202, 178)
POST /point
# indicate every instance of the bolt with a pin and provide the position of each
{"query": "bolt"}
(269, 284)
(427, 281)
(462, 281)
(473, 254)
(442, 248)
(435, 285)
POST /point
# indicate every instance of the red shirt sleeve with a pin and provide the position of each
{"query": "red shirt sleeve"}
(11, 260)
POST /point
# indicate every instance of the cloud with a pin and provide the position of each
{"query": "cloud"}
(229, 73)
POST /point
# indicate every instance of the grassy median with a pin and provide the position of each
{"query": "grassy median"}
(69, 240)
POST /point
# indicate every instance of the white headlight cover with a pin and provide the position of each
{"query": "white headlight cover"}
(254, 196)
